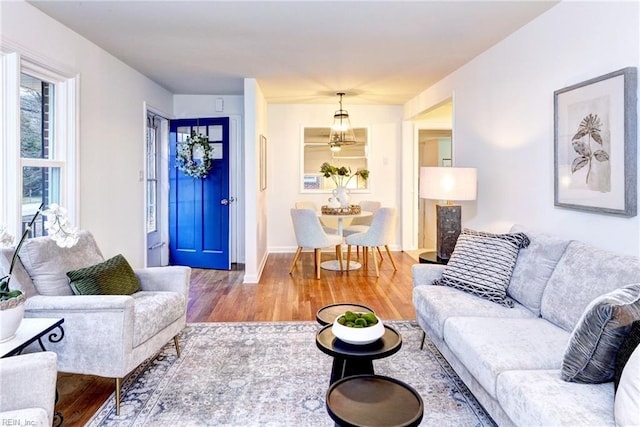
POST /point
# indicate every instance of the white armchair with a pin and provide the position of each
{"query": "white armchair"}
(104, 335)
(378, 234)
(28, 389)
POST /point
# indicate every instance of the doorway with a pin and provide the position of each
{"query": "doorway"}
(157, 196)
(435, 141)
(199, 205)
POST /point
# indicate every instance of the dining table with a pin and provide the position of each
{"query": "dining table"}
(334, 265)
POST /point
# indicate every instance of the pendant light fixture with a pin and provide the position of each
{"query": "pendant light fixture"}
(341, 131)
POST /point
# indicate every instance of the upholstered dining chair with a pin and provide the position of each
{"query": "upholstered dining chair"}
(104, 335)
(361, 224)
(310, 235)
(308, 204)
(379, 234)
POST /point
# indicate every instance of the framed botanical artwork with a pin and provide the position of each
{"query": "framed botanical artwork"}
(263, 163)
(595, 139)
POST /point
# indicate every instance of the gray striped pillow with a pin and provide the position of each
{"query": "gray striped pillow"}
(482, 264)
(590, 356)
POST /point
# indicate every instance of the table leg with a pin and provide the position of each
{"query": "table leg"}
(347, 367)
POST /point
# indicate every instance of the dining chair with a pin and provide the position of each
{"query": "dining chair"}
(308, 204)
(379, 234)
(359, 225)
(310, 235)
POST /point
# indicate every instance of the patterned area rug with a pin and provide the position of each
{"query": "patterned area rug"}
(272, 374)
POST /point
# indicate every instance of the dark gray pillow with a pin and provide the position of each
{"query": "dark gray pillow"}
(590, 356)
(482, 264)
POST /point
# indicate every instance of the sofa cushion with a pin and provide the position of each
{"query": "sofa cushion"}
(489, 346)
(534, 266)
(542, 398)
(435, 304)
(482, 263)
(111, 277)
(47, 263)
(583, 274)
(154, 311)
(630, 343)
(627, 399)
(591, 354)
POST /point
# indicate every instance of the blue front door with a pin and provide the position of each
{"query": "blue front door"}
(198, 208)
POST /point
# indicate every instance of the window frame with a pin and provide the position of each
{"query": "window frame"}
(65, 132)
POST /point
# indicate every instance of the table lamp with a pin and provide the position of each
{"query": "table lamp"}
(447, 184)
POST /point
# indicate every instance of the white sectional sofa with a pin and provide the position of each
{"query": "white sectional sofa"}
(511, 358)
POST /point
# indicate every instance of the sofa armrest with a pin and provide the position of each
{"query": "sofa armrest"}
(169, 279)
(98, 331)
(86, 303)
(425, 274)
(28, 381)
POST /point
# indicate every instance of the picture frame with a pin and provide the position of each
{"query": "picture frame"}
(263, 163)
(595, 144)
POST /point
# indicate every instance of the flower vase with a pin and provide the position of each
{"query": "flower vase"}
(342, 194)
(11, 314)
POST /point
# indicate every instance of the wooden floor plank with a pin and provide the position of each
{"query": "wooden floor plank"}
(220, 296)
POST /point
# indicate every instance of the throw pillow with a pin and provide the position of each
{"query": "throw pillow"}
(590, 356)
(482, 264)
(46, 262)
(112, 277)
(626, 407)
(629, 344)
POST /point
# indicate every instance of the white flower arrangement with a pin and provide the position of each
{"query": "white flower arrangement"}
(193, 157)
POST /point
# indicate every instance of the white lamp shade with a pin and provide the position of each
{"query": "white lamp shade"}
(447, 183)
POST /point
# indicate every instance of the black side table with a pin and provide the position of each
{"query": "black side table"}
(431, 258)
(375, 401)
(349, 359)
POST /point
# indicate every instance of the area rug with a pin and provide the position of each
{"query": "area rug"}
(272, 374)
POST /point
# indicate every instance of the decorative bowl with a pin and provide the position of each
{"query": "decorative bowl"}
(358, 336)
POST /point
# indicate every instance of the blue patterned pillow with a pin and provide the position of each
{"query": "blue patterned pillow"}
(482, 264)
(590, 356)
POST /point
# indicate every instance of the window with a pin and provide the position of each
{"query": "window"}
(153, 125)
(40, 151)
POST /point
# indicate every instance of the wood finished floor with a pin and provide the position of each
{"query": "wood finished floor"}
(220, 296)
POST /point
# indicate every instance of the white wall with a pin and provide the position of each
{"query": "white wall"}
(503, 117)
(111, 124)
(285, 122)
(256, 212)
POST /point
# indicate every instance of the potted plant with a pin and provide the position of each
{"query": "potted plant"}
(12, 301)
(341, 177)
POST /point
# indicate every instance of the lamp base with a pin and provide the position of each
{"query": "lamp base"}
(448, 224)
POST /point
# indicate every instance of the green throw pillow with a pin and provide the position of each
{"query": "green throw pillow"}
(111, 277)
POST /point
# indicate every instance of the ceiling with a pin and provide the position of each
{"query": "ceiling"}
(378, 52)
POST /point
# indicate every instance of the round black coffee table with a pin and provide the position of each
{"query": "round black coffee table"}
(349, 359)
(375, 401)
(326, 315)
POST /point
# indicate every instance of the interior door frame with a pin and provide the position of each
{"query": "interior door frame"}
(163, 181)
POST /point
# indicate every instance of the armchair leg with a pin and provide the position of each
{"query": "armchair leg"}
(118, 387)
(177, 344)
(348, 256)
(424, 335)
(380, 253)
(339, 255)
